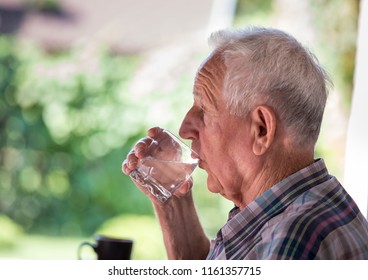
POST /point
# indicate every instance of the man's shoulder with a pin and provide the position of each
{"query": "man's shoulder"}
(308, 223)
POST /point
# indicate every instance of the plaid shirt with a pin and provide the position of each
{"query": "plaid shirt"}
(308, 215)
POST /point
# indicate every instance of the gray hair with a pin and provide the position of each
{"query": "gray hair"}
(268, 65)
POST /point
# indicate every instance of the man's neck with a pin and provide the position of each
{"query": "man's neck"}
(273, 169)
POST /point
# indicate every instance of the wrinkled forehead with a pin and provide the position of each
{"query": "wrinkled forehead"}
(209, 79)
(214, 64)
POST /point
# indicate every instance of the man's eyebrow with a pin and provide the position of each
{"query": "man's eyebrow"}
(198, 97)
(205, 99)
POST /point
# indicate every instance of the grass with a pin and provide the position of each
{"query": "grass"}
(143, 230)
(37, 247)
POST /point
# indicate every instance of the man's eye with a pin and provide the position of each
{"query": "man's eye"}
(202, 111)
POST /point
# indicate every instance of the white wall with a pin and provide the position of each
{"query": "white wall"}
(356, 158)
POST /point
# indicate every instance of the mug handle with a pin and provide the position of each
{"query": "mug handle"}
(85, 243)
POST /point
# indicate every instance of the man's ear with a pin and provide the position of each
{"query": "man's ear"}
(263, 128)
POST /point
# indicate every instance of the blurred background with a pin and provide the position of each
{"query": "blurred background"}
(82, 81)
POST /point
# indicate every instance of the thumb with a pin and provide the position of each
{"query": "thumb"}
(185, 188)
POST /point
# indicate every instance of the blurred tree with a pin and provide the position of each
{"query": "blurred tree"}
(65, 128)
(340, 30)
(250, 12)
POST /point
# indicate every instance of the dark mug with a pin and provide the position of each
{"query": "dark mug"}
(108, 248)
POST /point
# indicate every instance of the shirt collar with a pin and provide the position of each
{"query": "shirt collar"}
(244, 224)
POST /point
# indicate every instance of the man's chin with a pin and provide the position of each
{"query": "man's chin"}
(211, 186)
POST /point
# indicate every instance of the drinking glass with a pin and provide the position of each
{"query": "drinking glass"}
(166, 166)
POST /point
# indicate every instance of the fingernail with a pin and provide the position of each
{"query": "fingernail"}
(132, 162)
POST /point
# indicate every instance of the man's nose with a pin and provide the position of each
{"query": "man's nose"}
(188, 128)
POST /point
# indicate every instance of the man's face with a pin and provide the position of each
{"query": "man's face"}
(217, 136)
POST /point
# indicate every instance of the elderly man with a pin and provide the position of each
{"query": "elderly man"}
(258, 105)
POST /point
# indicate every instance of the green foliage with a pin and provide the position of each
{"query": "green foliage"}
(339, 35)
(66, 125)
(250, 12)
